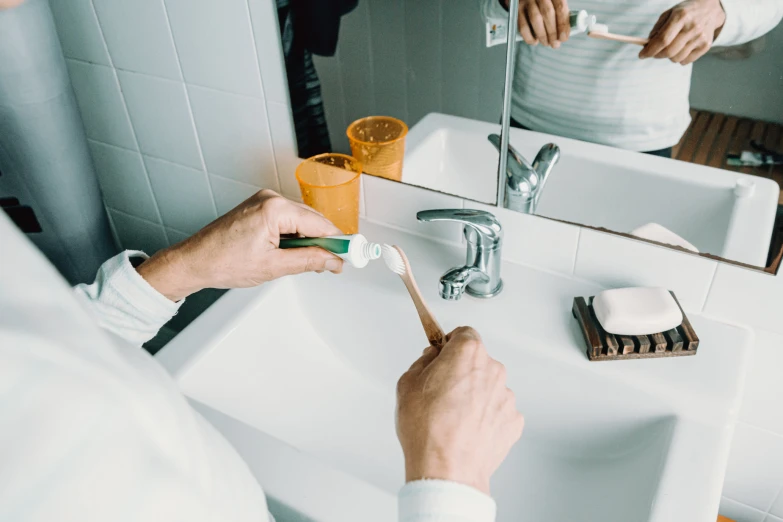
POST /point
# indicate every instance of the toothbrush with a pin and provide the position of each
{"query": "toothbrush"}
(398, 263)
(601, 31)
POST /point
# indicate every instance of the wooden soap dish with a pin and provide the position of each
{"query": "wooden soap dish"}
(603, 346)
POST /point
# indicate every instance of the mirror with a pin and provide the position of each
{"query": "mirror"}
(616, 118)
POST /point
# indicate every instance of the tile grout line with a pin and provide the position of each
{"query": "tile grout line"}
(709, 288)
(763, 512)
(371, 73)
(774, 499)
(164, 78)
(147, 221)
(576, 251)
(263, 94)
(130, 121)
(190, 110)
(164, 160)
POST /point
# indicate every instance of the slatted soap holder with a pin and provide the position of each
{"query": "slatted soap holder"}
(603, 346)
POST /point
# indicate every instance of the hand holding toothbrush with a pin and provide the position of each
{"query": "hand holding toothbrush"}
(240, 249)
(456, 419)
(685, 32)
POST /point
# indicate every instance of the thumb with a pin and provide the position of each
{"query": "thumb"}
(291, 261)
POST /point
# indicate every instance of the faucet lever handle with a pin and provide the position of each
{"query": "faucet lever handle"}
(494, 139)
(484, 223)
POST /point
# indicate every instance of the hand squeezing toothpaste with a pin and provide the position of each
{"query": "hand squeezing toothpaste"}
(104, 427)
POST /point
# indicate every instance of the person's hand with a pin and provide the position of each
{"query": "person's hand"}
(240, 250)
(545, 21)
(456, 419)
(685, 32)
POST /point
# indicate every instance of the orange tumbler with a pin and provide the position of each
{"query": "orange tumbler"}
(379, 143)
(330, 184)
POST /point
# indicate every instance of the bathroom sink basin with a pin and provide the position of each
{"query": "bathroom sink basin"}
(311, 363)
(602, 186)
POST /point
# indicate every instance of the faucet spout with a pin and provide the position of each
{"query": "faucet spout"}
(454, 282)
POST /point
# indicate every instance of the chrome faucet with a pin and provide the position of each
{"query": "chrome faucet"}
(525, 182)
(480, 277)
(519, 184)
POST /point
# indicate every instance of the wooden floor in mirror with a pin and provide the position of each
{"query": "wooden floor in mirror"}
(713, 137)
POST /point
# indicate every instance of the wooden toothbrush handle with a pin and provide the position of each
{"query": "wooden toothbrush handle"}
(433, 330)
(431, 327)
(619, 38)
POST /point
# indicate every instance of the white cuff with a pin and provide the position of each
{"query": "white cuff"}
(444, 501)
(124, 303)
(728, 33)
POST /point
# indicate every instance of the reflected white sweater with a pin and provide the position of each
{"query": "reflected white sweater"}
(600, 91)
(93, 429)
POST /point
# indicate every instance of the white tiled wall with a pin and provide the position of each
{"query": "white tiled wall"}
(184, 126)
(407, 58)
(185, 105)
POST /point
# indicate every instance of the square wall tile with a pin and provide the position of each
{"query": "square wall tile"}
(266, 30)
(175, 236)
(161, 117)
(773, 518)
(79, 32)
(762, 405)
(229, 193)
(138, 234)
(284, 143)
(234, 136)
(754, 475)
(739, 512)
(396, 204)
(183, 195)
(777, 506)
(747, 296)
(138, 36)
(535, 241)
(615, 261)
(215, 44)
(100, 104)
(123, 181)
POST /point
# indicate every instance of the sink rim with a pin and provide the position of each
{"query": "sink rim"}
(206, 333)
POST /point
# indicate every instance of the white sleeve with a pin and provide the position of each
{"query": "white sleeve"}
(444, 501)
(124, 303)
(493, 12)
(746, 20)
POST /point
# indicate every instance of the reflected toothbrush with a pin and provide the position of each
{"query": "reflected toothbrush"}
(398, 263)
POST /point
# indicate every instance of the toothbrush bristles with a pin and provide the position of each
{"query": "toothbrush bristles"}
(393, 259)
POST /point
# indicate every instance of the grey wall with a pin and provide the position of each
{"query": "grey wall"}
(751, 88)
(407, 58)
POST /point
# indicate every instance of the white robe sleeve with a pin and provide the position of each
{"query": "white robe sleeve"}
(124, 303)
(443, 501)
(746, 20)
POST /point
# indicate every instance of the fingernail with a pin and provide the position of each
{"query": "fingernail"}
(333, 264)
(556, 44)
(563, 37)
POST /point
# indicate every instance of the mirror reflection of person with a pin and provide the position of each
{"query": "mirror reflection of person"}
(613, 93)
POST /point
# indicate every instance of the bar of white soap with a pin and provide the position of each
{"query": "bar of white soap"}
(637, 311)
(661, 234)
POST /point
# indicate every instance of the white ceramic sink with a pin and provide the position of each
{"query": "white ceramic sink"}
(311, 363)
(602, 186)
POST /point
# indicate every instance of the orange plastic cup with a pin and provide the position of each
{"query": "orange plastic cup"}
(330, 184)
(379, 143)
